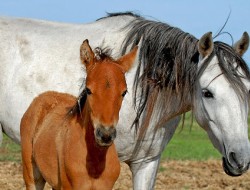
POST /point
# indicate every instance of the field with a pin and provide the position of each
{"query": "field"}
(189, 162)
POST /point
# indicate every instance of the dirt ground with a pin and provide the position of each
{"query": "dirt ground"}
(173, 175)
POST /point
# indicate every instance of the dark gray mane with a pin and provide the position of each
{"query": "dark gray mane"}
(167, 62)
(168, 65)
(128, 13)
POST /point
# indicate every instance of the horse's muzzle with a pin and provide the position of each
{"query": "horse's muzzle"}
(233, 171)
(105, 135)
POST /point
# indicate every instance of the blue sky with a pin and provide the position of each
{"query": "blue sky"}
(194, 16)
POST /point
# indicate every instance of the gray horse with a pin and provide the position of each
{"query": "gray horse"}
(174, 73)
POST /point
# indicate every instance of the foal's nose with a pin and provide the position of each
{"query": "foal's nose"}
(105, 135)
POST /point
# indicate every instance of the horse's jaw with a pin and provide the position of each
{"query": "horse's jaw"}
(231, 171)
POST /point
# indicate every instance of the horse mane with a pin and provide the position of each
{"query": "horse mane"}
(128, 13)
(168, 61)
(167, 71)
(101, 54)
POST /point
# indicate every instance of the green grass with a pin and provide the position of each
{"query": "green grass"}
(190, 143)
(10, 151)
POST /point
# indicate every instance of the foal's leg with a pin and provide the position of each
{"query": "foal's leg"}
(39, 180)
(32, 176)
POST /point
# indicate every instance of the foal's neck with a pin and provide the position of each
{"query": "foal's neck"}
(96, 155)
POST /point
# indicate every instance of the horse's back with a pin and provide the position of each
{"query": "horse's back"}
(35, 56)
(38, 55)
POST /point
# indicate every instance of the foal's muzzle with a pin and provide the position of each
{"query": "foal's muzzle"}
(105, 135)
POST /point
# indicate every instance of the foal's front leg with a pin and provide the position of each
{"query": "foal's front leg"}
(79, 184)
(33, 178)
(31, 174)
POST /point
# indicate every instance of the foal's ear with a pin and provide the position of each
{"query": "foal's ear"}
(126, 61)
(242, 45)
(86, 54)
(206, 44)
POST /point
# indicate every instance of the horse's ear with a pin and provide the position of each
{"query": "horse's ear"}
(242, 45)
(86, 54)
(206, 44)
(127, 60)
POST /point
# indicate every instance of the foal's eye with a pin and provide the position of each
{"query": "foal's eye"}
(207, 94)
(88, 91)
(124, 93)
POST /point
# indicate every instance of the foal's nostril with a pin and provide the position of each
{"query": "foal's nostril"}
(98, 132)
(112, 131)
(106, 139)
(106, 134)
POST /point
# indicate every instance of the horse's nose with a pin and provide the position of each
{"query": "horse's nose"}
(234, 161)
(106, 135)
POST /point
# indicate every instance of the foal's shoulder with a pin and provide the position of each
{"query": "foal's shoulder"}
(50, 99)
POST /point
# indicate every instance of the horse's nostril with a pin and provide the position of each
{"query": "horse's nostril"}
(234, 161)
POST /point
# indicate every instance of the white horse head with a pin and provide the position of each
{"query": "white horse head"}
(221, 100)
(178, 72)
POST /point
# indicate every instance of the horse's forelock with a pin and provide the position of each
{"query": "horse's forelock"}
(230, 62)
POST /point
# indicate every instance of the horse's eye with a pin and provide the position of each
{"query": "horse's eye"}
(88, 91)
(124, 93)
(207, 94)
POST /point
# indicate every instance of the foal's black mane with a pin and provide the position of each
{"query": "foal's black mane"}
(168, 66)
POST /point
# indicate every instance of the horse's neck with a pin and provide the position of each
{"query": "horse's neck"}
(175, 106)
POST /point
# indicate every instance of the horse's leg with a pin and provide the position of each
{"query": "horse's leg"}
(144, 171)
(1, 134)
(144, 174)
